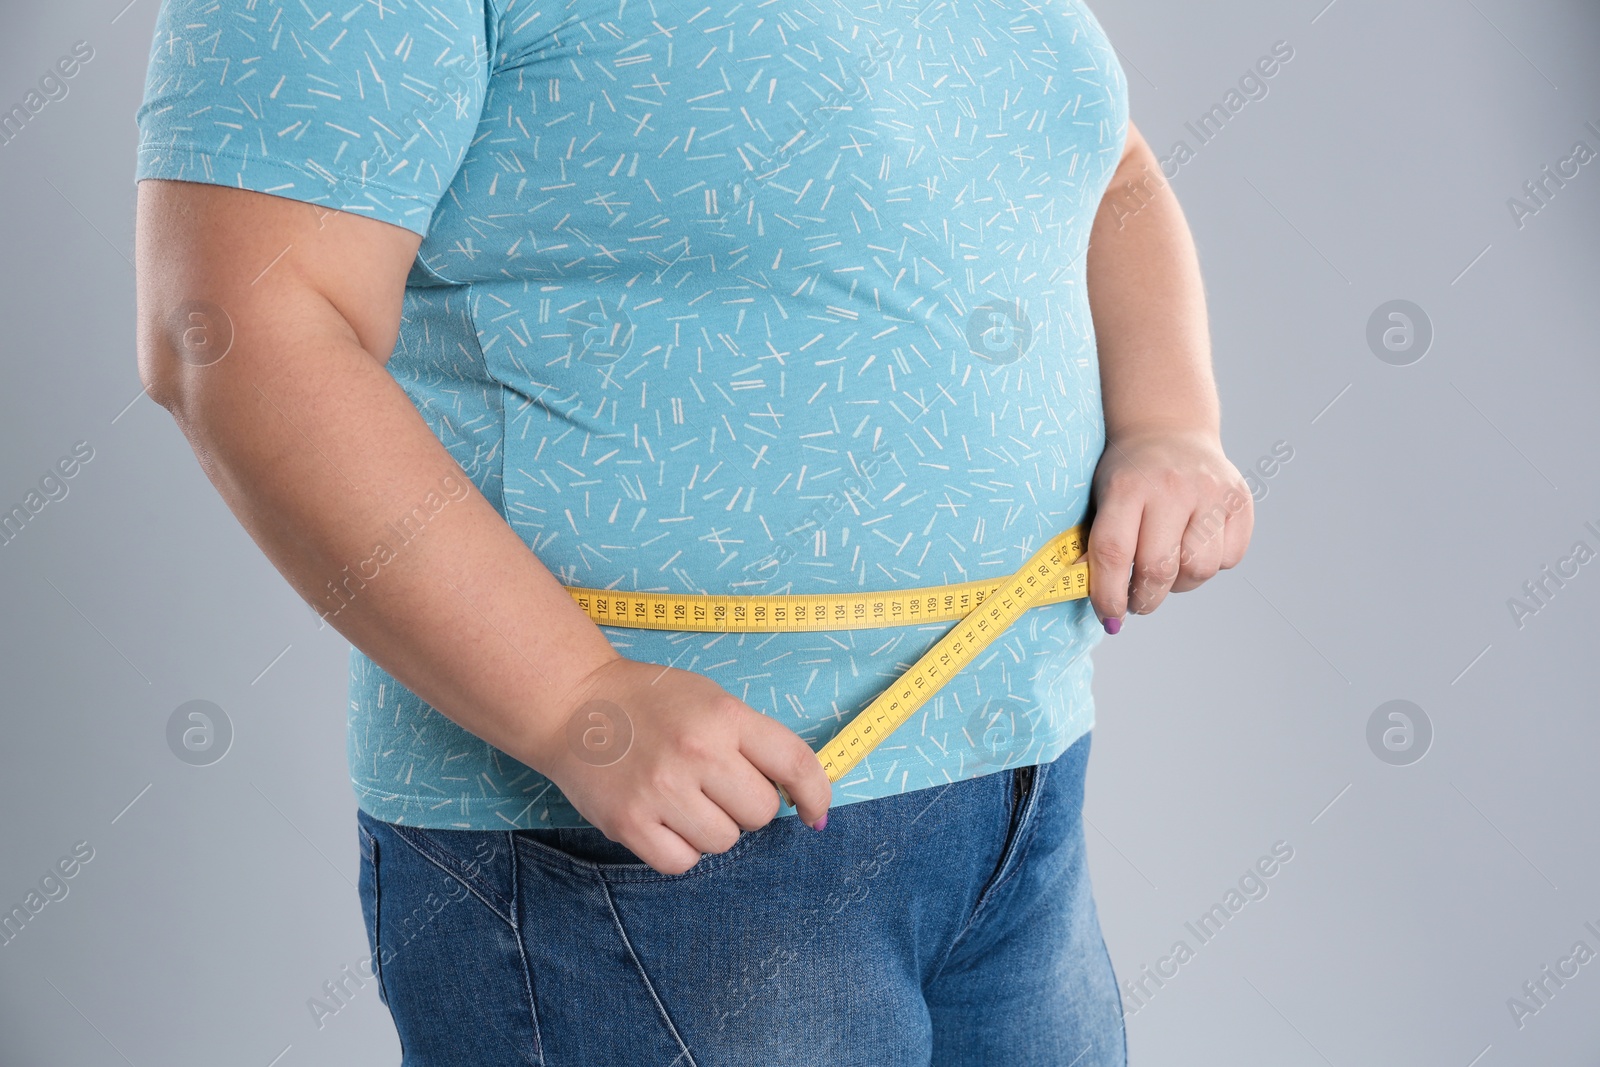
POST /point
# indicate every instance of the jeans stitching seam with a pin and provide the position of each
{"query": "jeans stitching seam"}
(377, 921)
(644, 976)
(1018, 850)
(522, 951)
(984, 896)
(401, 833)
(1122, 1011)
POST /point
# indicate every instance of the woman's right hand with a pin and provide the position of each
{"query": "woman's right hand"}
(672, 766)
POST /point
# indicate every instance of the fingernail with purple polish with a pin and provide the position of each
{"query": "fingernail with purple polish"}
(820, 823)
(1112, 624)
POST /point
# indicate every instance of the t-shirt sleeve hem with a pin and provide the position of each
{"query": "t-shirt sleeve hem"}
(275, 177)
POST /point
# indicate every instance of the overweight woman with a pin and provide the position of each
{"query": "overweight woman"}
(466, 306)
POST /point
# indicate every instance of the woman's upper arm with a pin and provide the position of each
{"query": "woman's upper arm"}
(282, 146)
(218, 267)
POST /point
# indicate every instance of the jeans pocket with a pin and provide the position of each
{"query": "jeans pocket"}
(448, 954)
(588, 848)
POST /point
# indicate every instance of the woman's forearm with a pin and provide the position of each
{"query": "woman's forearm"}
(1148, 304)
(1171, 510)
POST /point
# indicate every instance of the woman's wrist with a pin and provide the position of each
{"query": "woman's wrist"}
(547, 734)
(1201, 430)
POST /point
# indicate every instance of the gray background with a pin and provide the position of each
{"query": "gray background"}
(1419, 499)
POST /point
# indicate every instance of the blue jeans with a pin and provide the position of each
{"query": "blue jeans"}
(941, 927)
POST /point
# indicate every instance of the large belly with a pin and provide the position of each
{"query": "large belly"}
(791, 299)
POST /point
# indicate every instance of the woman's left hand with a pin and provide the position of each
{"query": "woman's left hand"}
(1170, 512)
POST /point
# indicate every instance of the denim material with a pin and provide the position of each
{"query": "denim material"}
(941, 927)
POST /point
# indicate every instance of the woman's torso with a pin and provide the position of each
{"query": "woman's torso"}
(779, 298)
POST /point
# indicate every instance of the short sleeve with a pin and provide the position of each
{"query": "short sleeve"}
(364, 107)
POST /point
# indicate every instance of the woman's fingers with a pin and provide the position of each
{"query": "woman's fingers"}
(747, 796)
(698, 820)
(1171, 512)
(1159, 557)
(1241, 507)
(1113, 542)
(783, 756)
(664, 849)
(1217, 536)
(1202, 546)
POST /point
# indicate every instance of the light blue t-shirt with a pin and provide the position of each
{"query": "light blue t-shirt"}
(780, 297)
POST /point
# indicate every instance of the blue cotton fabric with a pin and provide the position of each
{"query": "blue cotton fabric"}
(767, 298)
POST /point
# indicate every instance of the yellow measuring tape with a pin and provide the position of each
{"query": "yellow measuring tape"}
(984, 608)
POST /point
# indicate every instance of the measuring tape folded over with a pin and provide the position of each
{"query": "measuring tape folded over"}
(984, 610)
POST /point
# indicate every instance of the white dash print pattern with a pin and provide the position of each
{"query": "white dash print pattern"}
(770, 297)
